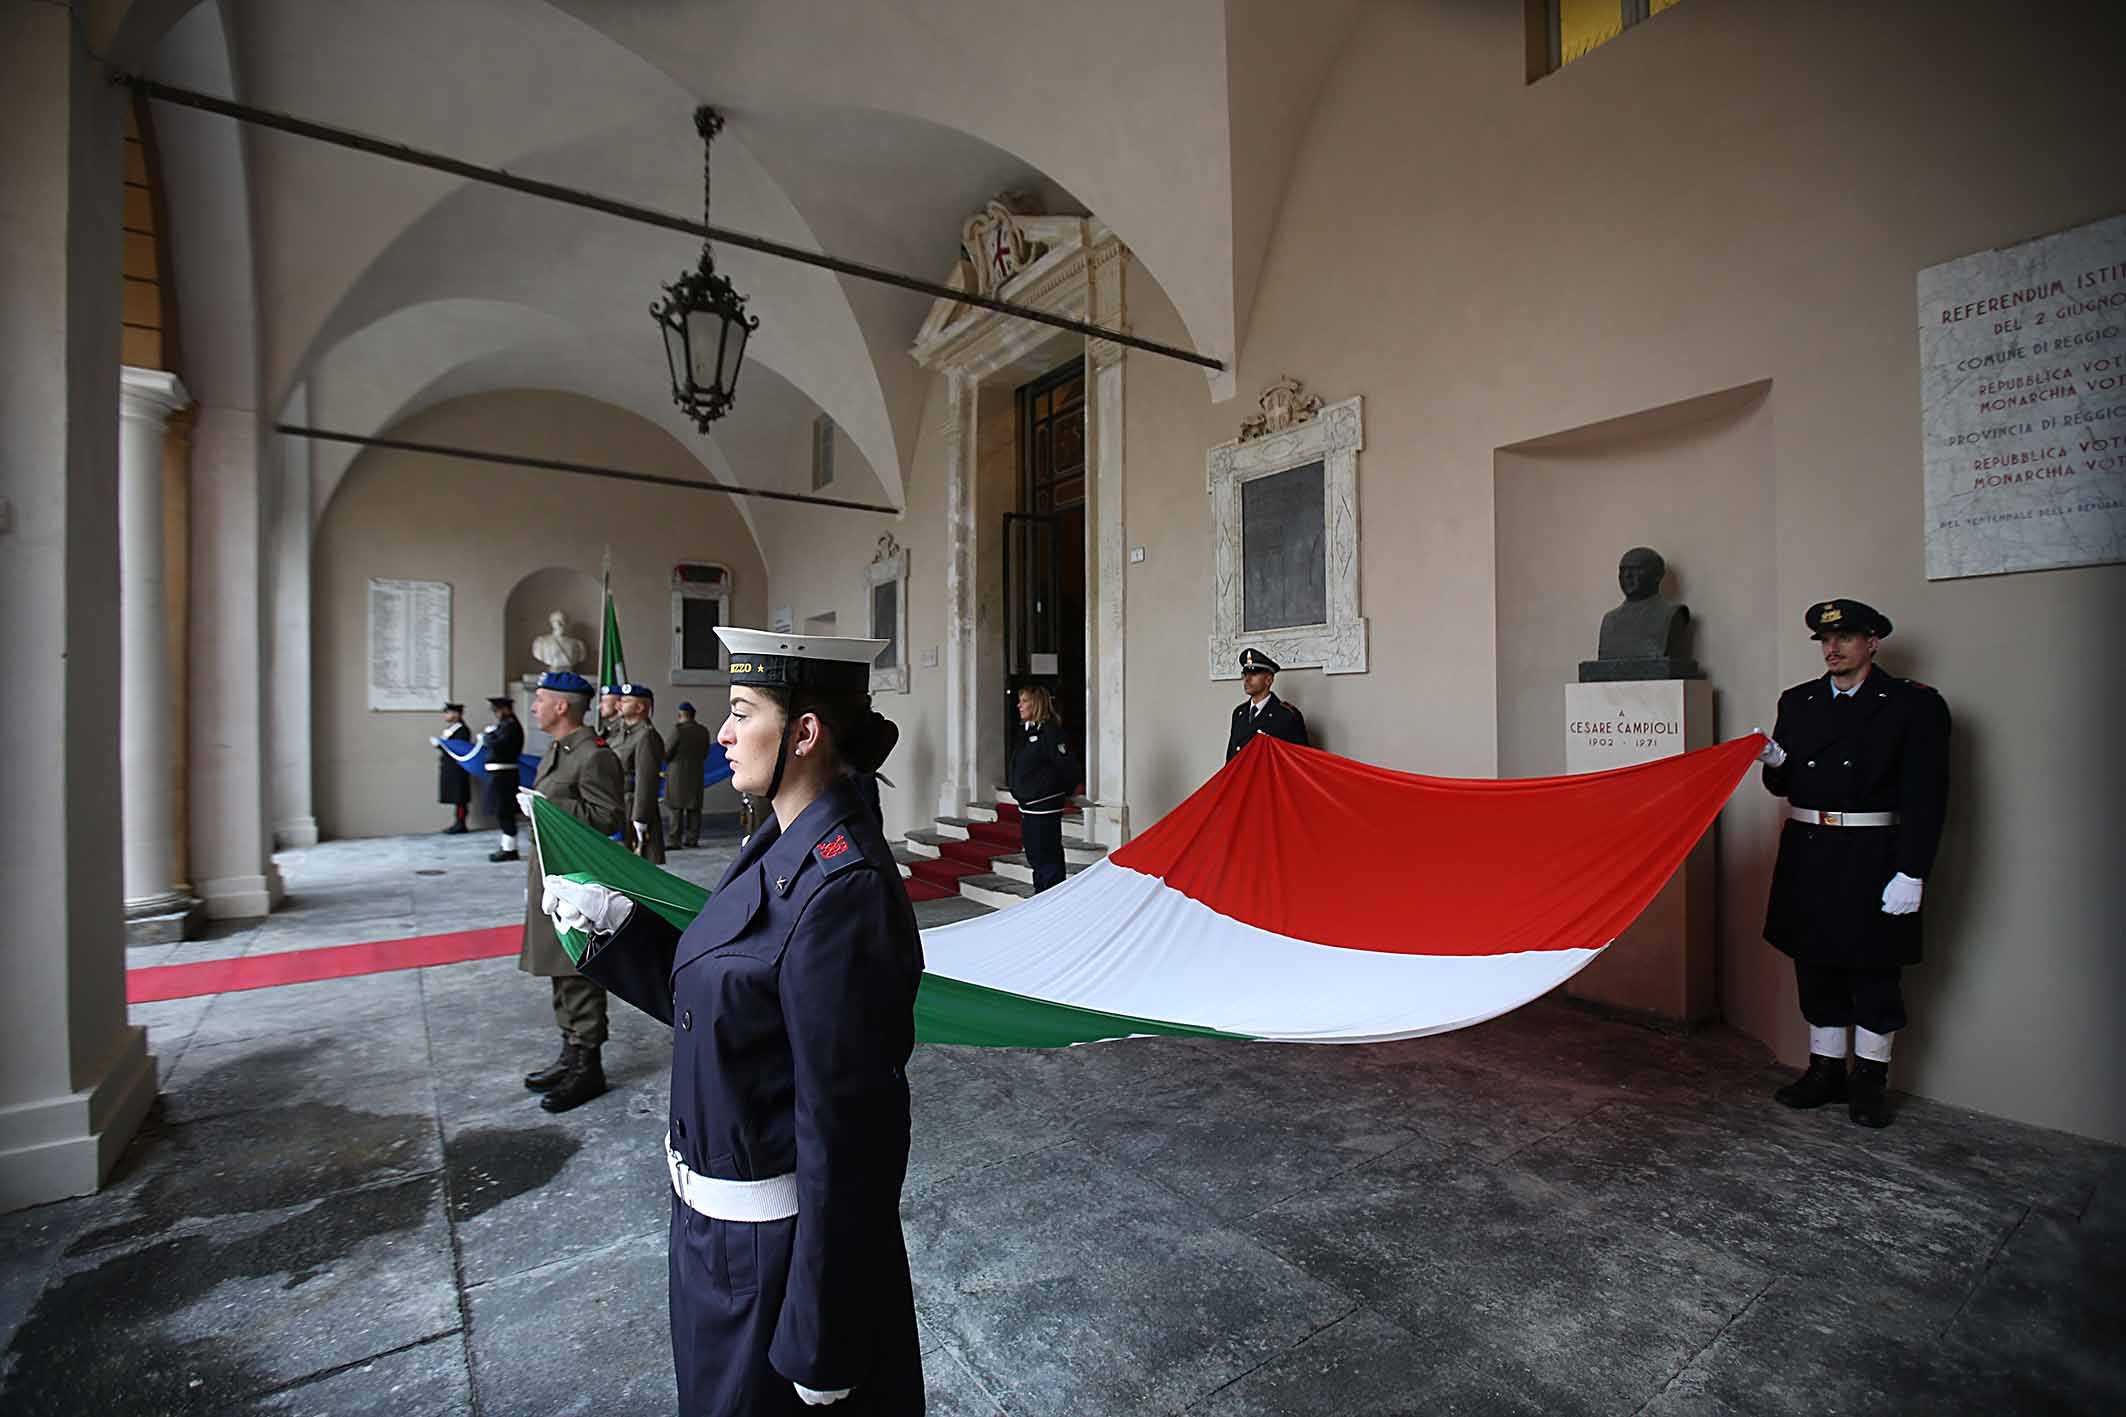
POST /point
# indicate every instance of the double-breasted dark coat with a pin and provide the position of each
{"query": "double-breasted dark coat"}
(582, 778)
(453, 783)
(1276, 718)
(684, 764)
(505, 744)
(792, 1003)
(1883, 749)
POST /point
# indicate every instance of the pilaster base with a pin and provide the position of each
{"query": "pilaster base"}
(65, 1146)
(294, 832)
(1105, 823)
(240, 897)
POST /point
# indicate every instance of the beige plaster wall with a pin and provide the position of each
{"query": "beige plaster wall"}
(484, 529)
(1736, 193)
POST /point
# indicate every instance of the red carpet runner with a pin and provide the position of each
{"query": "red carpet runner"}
(219, 976)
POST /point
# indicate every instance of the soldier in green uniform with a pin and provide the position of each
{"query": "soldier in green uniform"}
(683, 765)
(583, 779)
(642, 760)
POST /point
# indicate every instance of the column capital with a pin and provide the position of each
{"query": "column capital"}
(150, 395)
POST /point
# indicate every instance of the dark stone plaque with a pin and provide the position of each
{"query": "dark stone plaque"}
(1283, 566)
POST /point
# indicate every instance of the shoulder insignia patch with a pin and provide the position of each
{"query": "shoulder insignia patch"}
(837, 853)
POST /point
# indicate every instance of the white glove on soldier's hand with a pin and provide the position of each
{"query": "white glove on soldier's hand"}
(642, 832)
(1771, 754)
(585, 908)
(434, 742)
(1901, 896)
(813, 1397)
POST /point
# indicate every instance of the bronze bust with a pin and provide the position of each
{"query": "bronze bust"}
(1642, 638)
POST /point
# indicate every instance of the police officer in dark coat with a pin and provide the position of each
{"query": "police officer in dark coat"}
(1041, 774)
(792, 998)
(1263, 711)
(504, 741)
(453, 784)
(1862, 758)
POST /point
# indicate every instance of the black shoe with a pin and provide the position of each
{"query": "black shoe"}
(1823, 1082)
(549, 1077)
(503, 856)
(584, 1081)
(1869, 1104)
(454, 829)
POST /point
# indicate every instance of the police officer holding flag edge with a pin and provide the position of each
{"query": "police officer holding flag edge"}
(791, 997)
(1862, 758)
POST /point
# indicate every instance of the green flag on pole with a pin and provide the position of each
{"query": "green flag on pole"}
(612, 659)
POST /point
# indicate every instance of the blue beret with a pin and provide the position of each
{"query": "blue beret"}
(613, 689)
(563, 681)
(685, 707)
(636, 691)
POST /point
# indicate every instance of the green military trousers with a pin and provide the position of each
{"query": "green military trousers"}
(579, 1007)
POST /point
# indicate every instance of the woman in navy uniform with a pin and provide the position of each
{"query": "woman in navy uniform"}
(792, 998)
(1041, 774)
(1262, 711)
(1862, 758)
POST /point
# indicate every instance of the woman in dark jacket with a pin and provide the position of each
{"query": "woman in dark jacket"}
(791, 998)
(1041, 776)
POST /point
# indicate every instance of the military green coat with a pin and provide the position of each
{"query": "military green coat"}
(683, 766)
(583, 780)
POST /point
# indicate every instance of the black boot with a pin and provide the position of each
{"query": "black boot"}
(1823, 1082)
(503, 856)
(584, 1081)
(1869, 1104)
(549, 1077)
(454, 829)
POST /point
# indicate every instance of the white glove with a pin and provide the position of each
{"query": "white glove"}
(434, 742)
(1901, 896)
(1771, 754)
(642, 831)
(813, 1397)
(585, 908)
(524, 799)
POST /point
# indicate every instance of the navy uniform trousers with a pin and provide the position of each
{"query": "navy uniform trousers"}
(792, 1003)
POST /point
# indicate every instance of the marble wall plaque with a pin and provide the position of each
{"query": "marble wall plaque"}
(2022, 367)
(409, 645)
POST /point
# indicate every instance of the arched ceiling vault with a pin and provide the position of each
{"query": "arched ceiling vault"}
(869, 131)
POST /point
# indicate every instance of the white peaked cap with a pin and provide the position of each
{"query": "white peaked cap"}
(826, 648)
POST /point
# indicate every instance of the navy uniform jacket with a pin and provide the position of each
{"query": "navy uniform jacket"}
(1278, 719)
(1041, 772)
(453, 783)
(1886, 749)
(505, 744)
(792, 1001)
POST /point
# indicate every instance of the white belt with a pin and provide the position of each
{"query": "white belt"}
(749, 1201)
(1841, 819)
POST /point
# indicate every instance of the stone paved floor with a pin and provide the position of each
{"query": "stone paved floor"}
(347, 1204)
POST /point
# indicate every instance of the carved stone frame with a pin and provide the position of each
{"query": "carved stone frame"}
(889, 568)
(1335, 437)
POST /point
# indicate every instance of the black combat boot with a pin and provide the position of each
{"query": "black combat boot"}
(1869, 1103)
(1823, 1082)
(549, 1077)
(503, 856)
(584, 1081)
(455, 829)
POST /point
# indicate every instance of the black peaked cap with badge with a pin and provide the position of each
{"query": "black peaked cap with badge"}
(1884, 748)
(1254, 661)
(1847, 617)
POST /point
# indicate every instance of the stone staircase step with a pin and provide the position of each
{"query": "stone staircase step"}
(1019, 868)
(920, 890)
(1079, 852)
(995, 891)
(946, 872)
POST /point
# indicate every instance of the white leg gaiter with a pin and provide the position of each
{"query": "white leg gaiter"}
(1875, 1047)
(1827, 1042)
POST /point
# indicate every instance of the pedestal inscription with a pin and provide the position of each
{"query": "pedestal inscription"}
(1663, 962)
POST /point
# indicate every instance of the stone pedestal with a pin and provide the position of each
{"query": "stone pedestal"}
(1662, 964)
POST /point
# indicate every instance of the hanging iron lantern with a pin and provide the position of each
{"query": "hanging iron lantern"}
(704, 318)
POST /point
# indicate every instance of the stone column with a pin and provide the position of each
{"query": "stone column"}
(75, 1076)
(156, 910)
(962, 442)
(288, 659)
(1107, 568)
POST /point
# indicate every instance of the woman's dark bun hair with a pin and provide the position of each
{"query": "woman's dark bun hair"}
(862, 736)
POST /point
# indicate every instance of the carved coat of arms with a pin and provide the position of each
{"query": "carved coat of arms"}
(996, 244)
(1284, 404)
